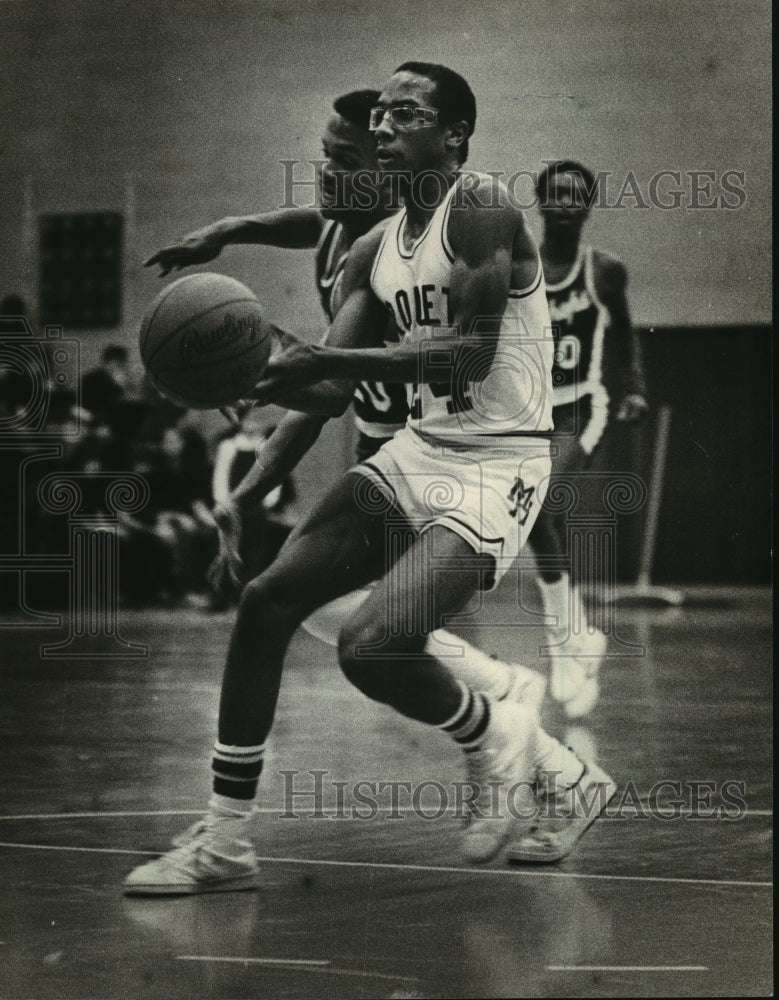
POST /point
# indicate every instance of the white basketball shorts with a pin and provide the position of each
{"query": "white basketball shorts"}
(489, 495)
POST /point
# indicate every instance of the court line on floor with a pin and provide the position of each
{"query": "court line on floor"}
(278, 811)
(320, 966)
(428, 869)
(627, 968)
(254, 961)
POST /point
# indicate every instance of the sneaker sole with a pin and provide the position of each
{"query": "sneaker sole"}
(548, 847)
(238, 884)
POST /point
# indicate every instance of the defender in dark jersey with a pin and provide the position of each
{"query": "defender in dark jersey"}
(380, 409)
(597, 378)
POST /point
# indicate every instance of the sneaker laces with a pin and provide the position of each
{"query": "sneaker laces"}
(206, 822)
(191, 833)
(201, 850)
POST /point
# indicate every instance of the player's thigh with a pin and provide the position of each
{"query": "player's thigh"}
(434, 577)
(336, 548)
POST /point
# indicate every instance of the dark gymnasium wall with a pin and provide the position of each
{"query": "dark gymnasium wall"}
(171, 115)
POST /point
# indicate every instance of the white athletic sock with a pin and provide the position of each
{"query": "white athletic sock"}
(556, 600)
(579, 623)
(223, 805)
(564, 603)
(479, 671)
(229, 824)
(557, 766)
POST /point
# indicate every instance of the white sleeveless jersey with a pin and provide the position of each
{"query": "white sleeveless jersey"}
(514, 396)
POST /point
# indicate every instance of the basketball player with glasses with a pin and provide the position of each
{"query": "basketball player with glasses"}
(597, 379)
(380, 409)
(439, 513)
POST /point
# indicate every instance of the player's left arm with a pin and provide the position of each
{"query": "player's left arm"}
(489, 246)
(611, 284)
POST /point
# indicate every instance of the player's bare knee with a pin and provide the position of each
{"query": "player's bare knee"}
(266, 602)
(360, 665)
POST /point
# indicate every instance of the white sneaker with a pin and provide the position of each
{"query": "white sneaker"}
(528, 687)
(502, 774)
(574, 675)
(565, 817)
(215, 856)
(193, 832)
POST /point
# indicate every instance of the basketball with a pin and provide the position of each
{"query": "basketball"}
(204, 341)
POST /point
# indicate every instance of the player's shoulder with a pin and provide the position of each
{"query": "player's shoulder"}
(363, 252)
(482, 194)
(482, 209)
(608, 269)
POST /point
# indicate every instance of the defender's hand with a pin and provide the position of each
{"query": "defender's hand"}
(196, 248)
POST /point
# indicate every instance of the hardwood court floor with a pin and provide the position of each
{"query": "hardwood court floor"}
(104, 760)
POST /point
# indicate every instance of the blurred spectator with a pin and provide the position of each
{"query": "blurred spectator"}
(265, 532)
(110, 382)
(174, 536)
(167, 547)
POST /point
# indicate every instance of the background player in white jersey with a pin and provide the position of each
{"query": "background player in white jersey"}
(597, 378)
(459, 497)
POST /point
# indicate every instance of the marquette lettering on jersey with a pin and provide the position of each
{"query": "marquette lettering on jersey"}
(511, 396)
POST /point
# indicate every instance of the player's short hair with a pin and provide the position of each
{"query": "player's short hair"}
(588, 186)
(355, 107)
(454, 98)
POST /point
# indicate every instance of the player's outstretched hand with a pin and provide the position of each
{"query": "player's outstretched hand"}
(632, 408)
(297, 365)
(197, 248)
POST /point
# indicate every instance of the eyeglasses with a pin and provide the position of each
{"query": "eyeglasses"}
(403, 116)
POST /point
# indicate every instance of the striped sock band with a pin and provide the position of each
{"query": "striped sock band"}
(237, 770)
(469, 723)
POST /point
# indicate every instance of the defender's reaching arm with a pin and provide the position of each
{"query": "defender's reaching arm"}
(290, 228)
